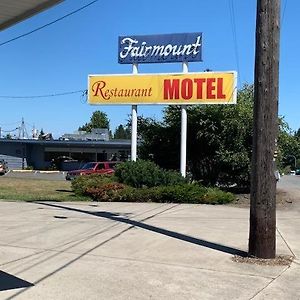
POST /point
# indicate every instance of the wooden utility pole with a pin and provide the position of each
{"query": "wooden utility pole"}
(262, 237)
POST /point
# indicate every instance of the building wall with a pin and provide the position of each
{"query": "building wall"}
(40, 154)
(14, 155)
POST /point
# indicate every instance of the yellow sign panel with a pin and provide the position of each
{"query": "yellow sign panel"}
(190, 88)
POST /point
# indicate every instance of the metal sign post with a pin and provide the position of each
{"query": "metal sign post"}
(185, 69)
(134, 122)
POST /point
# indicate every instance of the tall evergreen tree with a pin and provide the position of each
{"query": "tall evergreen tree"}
(99, 119)
(122, 132)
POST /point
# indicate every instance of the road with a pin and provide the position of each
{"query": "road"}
(291, 185)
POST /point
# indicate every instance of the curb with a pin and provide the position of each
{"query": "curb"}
(35, 171)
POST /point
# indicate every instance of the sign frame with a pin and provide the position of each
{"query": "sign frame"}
(206, 102)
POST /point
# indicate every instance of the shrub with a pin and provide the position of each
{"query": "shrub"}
(183, 193)
(82, 183)
(143, 173)
(138, 174)
(217, 196)
(105, 192)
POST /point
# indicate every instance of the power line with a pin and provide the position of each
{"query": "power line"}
(6, 131)
(283, 13)
(48, 24)
(83, 93)
(233, 28)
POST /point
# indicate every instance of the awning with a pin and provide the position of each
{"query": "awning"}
(14, 11)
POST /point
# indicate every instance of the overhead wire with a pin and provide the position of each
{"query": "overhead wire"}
(233, 28)
(83, 93)
(49, 24)
(7, 131)
(283, 13)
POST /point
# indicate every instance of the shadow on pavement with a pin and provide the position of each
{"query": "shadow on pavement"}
(10, 282)
(169, 233)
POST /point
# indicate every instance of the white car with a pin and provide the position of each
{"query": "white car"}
(277, 175)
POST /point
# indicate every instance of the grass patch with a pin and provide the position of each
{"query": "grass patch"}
(37, 190)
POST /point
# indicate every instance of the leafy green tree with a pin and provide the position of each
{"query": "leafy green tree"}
(297, 133)
(99, 119)
(159, 143)
(219, 140)
(288, 146)
(122, 132)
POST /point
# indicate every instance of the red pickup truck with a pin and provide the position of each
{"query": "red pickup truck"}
(104, 167)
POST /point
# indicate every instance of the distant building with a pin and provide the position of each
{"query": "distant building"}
(39, 154)
(97, 134)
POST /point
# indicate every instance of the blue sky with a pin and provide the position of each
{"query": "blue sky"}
(60, 57)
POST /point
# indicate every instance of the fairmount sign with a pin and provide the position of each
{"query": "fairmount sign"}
(161, 48)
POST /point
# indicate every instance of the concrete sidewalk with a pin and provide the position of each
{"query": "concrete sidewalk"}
(138, 251)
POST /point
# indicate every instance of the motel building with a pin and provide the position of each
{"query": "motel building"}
(40, 154)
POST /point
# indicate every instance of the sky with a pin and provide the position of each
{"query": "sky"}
(60, 57)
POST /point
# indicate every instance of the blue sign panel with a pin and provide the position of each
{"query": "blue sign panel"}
(163, 48)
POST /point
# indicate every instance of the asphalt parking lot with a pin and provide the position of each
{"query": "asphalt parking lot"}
(46, 175)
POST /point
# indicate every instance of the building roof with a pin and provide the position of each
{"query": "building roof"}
(12, 12)
(60, 143)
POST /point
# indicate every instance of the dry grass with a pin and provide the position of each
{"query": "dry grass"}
(36, 190)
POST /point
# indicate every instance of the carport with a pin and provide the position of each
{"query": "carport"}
(12, 12)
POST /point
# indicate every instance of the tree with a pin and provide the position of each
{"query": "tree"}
(159, 143)
(99, 119)
(219, 140)
(288, 146)
(122, 132)
(297, 133)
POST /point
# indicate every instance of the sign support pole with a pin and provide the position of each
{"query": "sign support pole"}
(134, 123)
(185, 69)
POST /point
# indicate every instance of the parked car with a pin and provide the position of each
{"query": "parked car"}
(3, 167)
(298, 172)
(106, 167)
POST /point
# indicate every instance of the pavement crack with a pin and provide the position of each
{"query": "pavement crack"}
(285, 242)
(268, 284)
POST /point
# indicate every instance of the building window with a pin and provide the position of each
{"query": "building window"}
(54, 155)
(100, 167)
